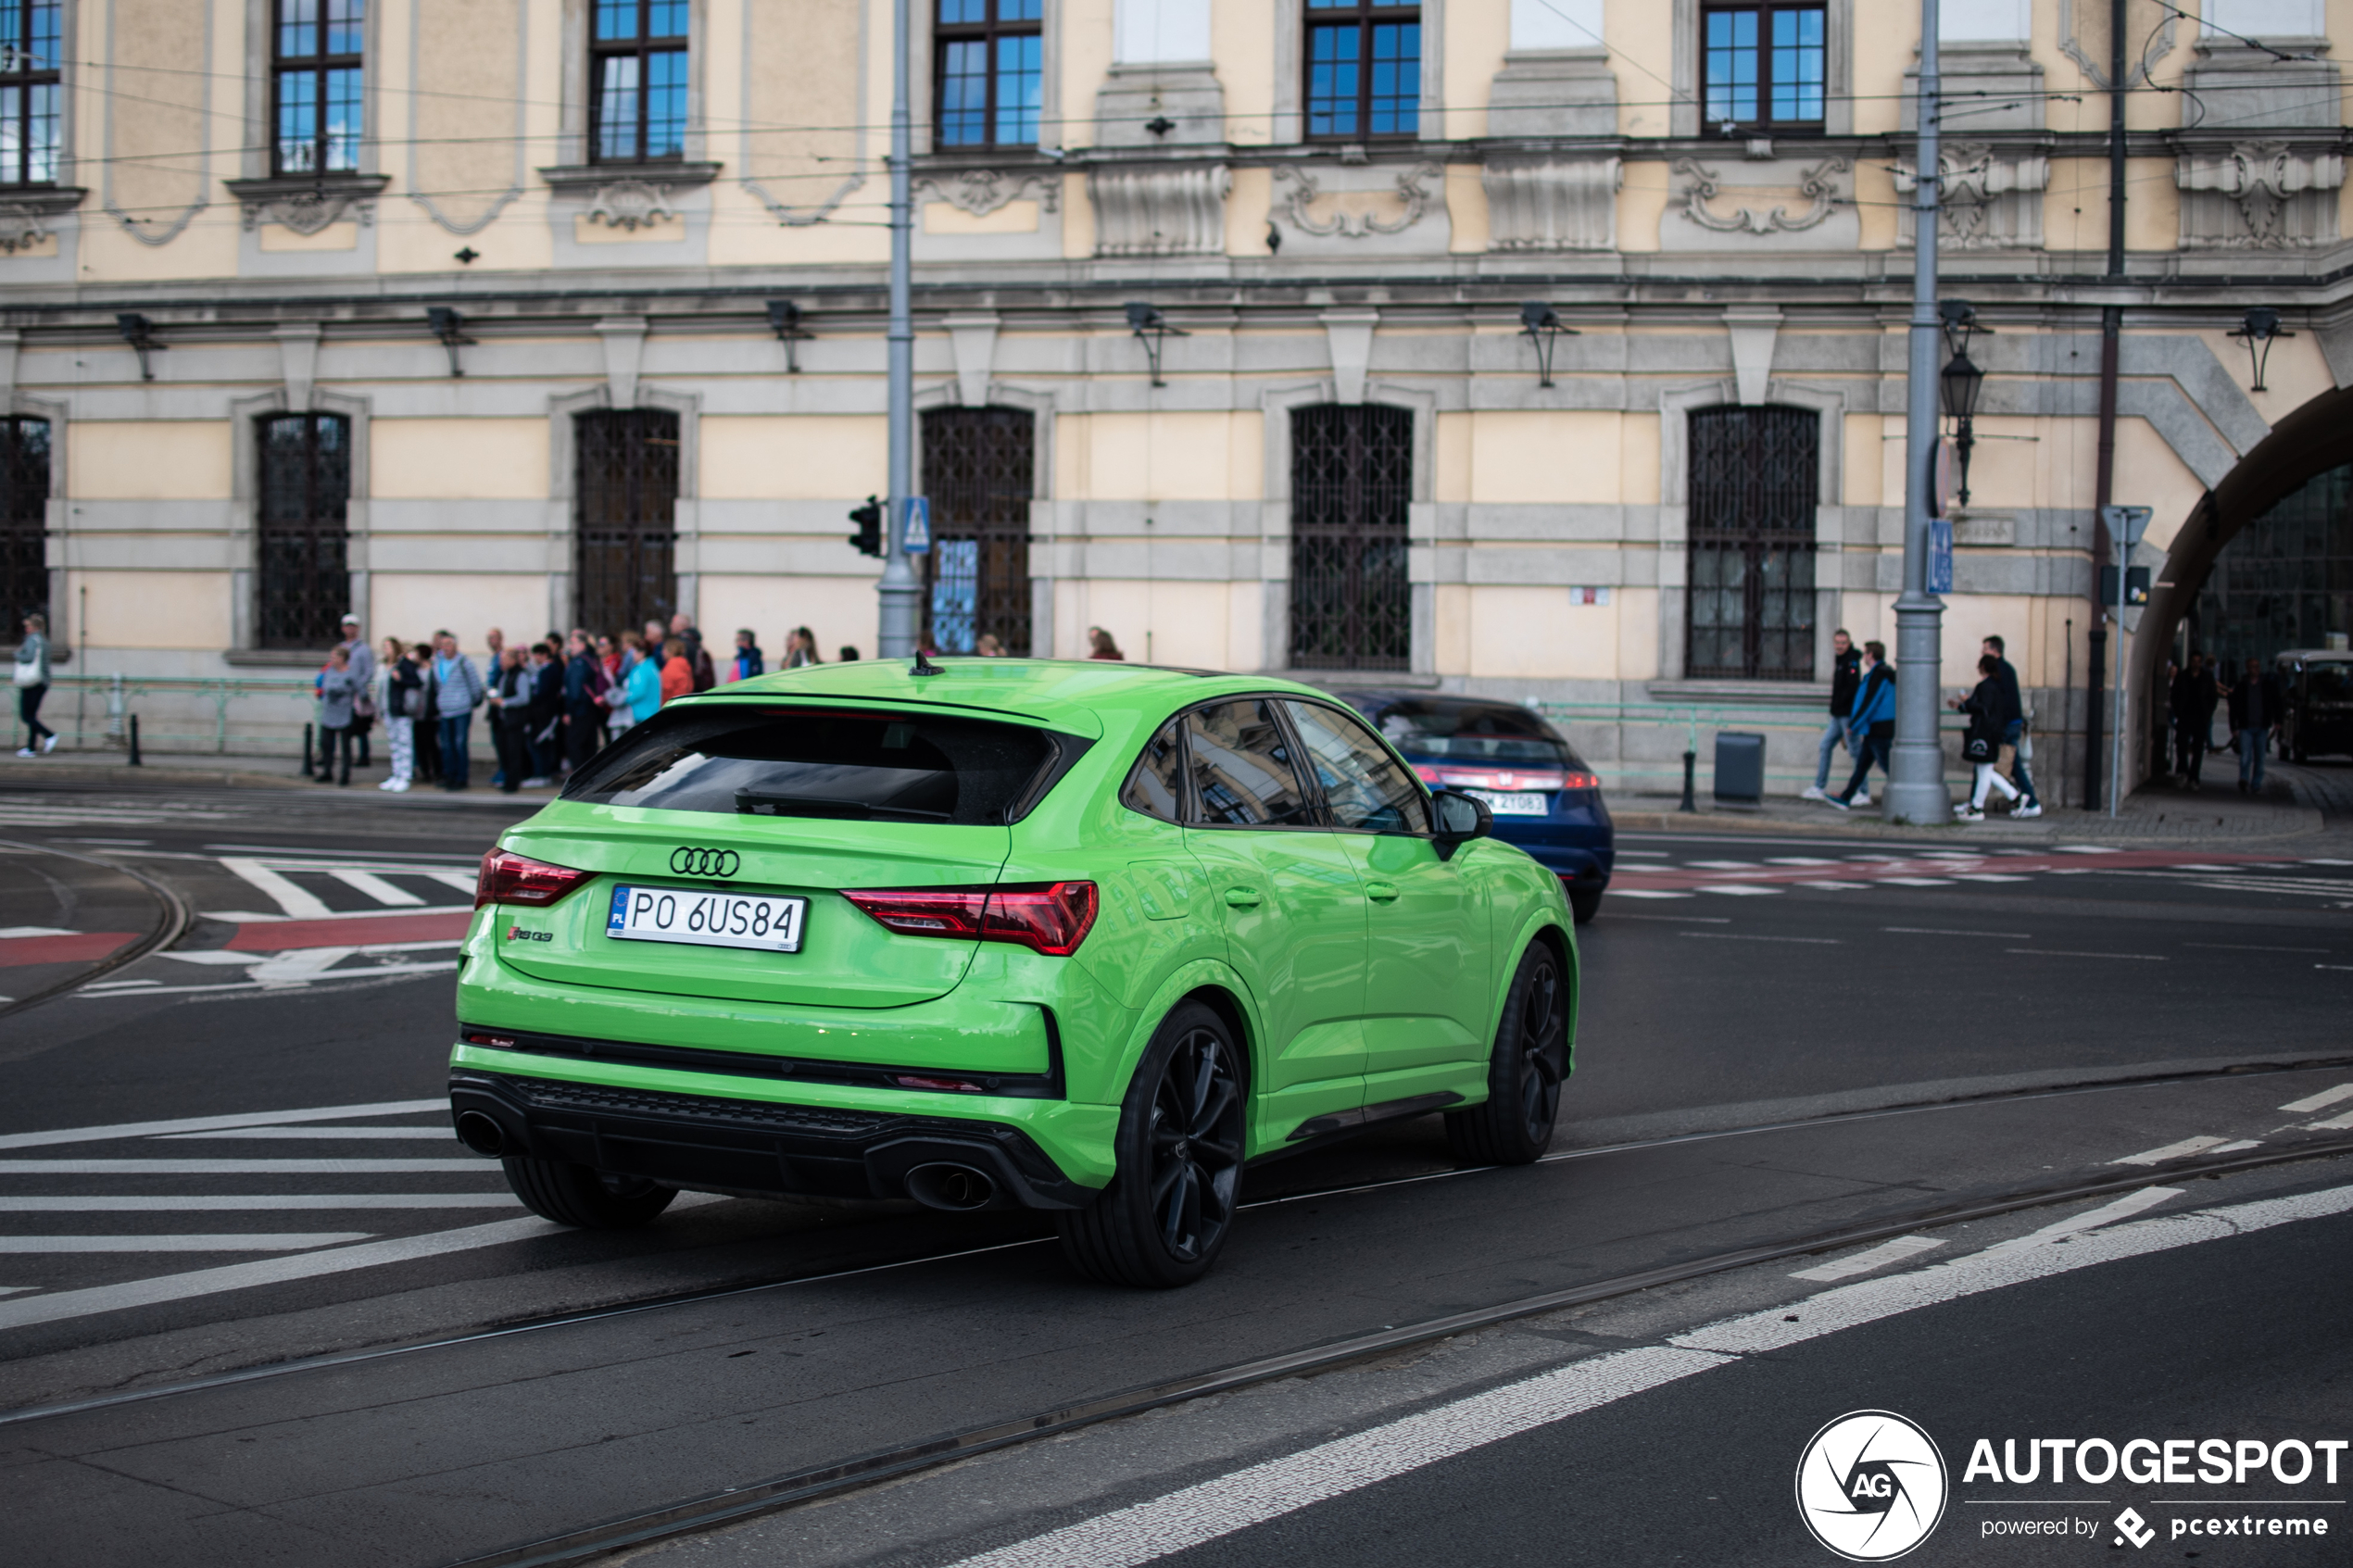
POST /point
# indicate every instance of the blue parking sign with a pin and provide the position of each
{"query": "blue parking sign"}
(1940, 556)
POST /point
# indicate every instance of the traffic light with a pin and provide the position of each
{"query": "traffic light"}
(869, 518)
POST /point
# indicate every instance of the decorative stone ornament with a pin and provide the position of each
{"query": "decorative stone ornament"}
(1703, 187)
(630, 205)
(309, 203)
(1552, 203)
(2259, 195)
(1353, 220)
(1992, 197)
(1159, 209)
(982, 191)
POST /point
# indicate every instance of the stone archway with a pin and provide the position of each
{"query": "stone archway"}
(2315, 438)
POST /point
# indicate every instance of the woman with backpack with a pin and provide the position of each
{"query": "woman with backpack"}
(1987, 708)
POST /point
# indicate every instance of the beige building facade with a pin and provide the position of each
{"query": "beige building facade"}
(545, 313)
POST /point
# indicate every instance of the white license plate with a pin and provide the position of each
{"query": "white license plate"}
(1514, 804)
(706, 919)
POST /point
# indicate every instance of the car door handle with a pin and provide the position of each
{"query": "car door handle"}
(1243, 898)
(1381, 892)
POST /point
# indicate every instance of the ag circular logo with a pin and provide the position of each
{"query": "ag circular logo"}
(704, 862)
(1871, 1485)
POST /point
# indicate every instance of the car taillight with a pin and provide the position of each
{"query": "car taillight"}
(1050, 917)
(509, 878)
(1580, 781)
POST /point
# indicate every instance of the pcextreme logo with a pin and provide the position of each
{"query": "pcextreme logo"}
(1871, 1485)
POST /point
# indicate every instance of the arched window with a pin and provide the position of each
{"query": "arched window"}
(1756, 480)
(1351, 491)
(625, 517)
(302, 580)
(2284, 582)
(979, 473)
(24, 509)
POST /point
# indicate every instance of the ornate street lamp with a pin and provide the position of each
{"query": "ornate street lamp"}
(1961, 381)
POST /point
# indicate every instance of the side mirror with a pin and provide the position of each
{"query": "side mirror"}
(1459, 818)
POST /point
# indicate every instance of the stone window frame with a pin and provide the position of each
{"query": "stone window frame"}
(921, 77)
(258, 158)
(563, 489)
(573, 151)
(1838, 75)
(244, 523)
(1362, 13)
(1044, 405)
(1766, 11)
(1288, 124)
(57, 515)
(60, 76)
(987, 32)
(319, 65)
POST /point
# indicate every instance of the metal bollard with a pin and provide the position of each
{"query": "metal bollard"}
(1691, 770)
(306, 752)
(134, 740)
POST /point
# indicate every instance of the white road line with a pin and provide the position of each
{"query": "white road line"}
(295, 983)
(1834, 886)
(261, 917)
(1739, 890)
(1948, 931)
(2067, 953)
(197, 1124)
(375, 886)
(2320, 1101)
(2182, 1150)
(1797, 861)
(295, 902)
(36, 931)
(1735, 936)
(317, 1134)
(2333, 1125)
(2087, 850)
(2249, 948)
(2108, 1213)
(1676, 920)
(231, 1167)
(1879, 1256)
(1196, 1514)
(264, 1241)
(1917, 881)
(1990, 876)
(60, 1304)
(1723, 865)
(178, 1203)
(1644, 892)
(464, 882)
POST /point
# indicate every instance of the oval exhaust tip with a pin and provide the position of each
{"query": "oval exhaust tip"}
(953, 1187)
(481, 1131)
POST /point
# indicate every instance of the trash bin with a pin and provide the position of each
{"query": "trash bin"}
(1740, 769)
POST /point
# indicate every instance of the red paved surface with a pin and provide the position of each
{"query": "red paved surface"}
(75, 947)
(275, 936)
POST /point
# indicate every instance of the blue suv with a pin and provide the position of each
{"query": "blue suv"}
(1544, 797)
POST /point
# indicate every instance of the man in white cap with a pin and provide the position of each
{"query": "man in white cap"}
(363, 671)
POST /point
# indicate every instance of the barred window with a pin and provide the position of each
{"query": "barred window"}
(1352, 491)
(322, 112)
(1755, 479)
(29, 91)
(1763, 67)
(637, 82)
(24, 511)
(979, 469)
(303, 581)
(1364, 63)
(989, 60)
(625, 528)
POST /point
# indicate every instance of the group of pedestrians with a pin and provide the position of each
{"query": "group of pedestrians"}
(1862, 717)
(550, 705)
(2258, 703)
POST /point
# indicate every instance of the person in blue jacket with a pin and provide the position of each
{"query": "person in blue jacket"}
(1873, 720)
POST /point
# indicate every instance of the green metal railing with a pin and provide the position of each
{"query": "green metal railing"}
(225, 715)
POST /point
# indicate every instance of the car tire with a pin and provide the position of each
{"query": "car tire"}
(1514, 1126)
(1584, 903)
(582, 1196)
(1170, 1205)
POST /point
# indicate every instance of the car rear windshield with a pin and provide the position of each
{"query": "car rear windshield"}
(1461, 732)
(783, 762)
(2329, 683)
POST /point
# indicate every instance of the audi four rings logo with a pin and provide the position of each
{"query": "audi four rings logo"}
(689, 861)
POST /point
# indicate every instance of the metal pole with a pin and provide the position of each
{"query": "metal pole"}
(1916, 770)
(899, 590)
(2116, 757)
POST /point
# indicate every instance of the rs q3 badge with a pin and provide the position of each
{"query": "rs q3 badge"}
(689, 861)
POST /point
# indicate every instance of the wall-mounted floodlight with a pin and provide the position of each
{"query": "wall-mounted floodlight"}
(1146, 321)
(2260, 327)
(1540, 324)
(784, 320)
(140, 334)
(450, 328)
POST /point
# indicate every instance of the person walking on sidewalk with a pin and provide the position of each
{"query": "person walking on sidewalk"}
(1847, 674)
(338, 689)
(1988, 711)
(2013, 727)
(458, 691)
(2193, 699)
(403, 700)
(2255, 713)
(363, 671)
(1874, 721)
(33, 685)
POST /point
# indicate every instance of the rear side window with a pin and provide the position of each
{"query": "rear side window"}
(768, 762)
(1157, 787)
(1241, 768)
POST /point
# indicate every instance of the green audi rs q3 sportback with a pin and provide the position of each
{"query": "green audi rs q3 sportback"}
(1082, 937)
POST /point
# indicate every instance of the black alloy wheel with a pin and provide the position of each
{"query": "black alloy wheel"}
(1530, 1058)
(1165, 1216)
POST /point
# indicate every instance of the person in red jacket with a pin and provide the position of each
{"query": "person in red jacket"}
(677, 672)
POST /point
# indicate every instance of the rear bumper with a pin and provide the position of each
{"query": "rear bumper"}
(698, 1141)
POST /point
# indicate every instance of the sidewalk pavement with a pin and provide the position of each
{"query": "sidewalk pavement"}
(110, 770)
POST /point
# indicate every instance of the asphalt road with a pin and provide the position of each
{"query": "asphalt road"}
(1751, 1005)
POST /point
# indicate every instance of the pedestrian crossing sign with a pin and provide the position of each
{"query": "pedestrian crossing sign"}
(915, 539)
